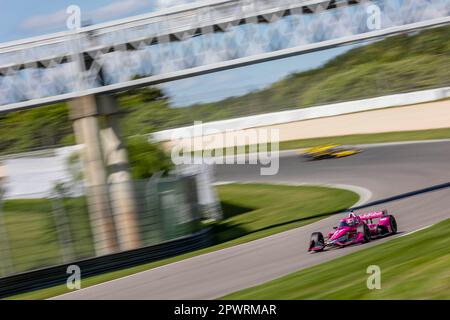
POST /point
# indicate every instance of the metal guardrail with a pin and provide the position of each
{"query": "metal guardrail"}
(47, 277)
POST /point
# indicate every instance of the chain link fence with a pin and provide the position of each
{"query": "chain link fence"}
(37, 232)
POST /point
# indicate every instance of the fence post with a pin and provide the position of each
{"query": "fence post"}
(62, 228)
(152, 202)
(5, 253)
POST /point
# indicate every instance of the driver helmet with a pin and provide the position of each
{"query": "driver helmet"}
(351, 220)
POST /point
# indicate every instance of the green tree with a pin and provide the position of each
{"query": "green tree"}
(32, 129)
(146, 158)
(395, 64)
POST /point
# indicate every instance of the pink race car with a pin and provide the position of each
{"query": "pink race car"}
(355, 229)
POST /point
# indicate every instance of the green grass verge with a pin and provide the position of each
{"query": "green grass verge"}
(412, 267)
(252, 211)
(401, 136)
(31, 231)
(369, 138)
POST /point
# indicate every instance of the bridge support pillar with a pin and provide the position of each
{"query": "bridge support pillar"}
(109, 186)
(119, 179)
(84, 113)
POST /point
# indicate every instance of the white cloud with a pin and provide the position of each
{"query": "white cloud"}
(162, 4)
(45, 21)
(56, 20)
(118, 8)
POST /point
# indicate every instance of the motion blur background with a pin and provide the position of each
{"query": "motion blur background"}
(49, 215)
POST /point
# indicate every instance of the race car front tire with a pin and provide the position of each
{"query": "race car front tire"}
(364, 230)
(316, 240)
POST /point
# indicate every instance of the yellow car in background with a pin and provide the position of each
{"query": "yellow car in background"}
(329, 151)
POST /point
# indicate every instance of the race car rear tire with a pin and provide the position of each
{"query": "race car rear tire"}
(393, 224)
(316, 240)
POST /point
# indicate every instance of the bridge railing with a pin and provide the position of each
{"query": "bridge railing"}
(127, 55)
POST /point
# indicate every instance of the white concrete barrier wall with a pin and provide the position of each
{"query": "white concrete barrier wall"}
(334, 109)
(34, 174)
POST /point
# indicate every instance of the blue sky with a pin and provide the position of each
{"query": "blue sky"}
(23, 19)
(220, 85)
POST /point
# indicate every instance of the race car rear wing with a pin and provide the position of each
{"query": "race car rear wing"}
(372, 215)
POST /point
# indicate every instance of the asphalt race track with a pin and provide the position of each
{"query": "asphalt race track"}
(386, 171)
